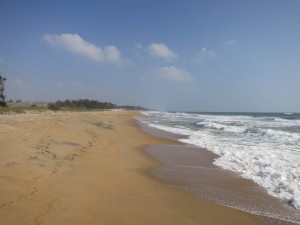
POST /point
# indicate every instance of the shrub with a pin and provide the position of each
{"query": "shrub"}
(3, 104)
(53, 106)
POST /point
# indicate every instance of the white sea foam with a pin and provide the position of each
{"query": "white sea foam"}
(265, 149)
(172, 129)
(277, 172)
(218, 126)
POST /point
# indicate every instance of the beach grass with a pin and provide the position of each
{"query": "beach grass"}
(22, 109)
(38, 108)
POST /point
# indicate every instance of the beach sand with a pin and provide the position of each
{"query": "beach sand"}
(91, 168)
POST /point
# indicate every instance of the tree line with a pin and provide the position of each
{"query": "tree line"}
(81, 104)
(87, 104)
(72, 104)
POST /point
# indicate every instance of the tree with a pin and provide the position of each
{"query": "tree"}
(2, 88)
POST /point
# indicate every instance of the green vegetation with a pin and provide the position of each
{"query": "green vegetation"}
(68, 105)
(15, 107)
(22, 108)
(81, 104)
(86, 104)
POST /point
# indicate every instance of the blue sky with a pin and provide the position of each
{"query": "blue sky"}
(170, 55)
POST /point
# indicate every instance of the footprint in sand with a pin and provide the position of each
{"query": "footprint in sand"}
(10, 163)
(72, 157)
(34, 191)
(55, 170)
(6, 204)
(38, 177)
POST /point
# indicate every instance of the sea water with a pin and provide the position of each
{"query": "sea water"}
(264, 147)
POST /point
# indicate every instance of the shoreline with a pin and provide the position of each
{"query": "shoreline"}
(91, 168)
(191, 169)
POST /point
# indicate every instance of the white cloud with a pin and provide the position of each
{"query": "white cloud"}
(75, 44)
(205, 54)
(161, 50)
(232, 41)
(173, 73)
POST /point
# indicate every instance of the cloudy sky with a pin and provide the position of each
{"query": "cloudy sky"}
(226, 55)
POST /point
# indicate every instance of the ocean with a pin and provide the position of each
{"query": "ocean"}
(263, 147)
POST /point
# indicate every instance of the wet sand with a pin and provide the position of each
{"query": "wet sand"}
(91, 168)
(191, 169)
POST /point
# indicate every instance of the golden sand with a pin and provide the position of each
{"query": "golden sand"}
(90, 168)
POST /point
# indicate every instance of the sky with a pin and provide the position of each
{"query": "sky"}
(193, 55)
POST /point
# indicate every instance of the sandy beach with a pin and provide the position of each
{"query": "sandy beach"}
(91, 168)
